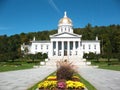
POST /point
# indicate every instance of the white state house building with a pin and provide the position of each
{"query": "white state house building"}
(64, 43)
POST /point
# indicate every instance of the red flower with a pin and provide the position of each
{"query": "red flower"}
(61, 84)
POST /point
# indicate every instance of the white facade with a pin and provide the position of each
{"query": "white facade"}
(64, 43)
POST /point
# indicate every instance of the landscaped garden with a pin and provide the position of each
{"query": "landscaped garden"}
(65, 78)
(113, 64)
(26, 62)
(8, 66)
(18, 65)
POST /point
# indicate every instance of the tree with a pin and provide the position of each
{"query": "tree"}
(97, 57)
(85, 55)
(108, 51)
(109, 35)
(32, 57)
(39, 55)
(90, 55)
(45, 55)
(87, 33)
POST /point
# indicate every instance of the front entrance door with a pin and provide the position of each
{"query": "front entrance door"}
(65, 52)
(65, 48)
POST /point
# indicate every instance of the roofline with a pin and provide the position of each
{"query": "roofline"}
(90, 40)
(44, 41)
(65, 32)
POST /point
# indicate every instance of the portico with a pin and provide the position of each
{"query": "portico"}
(66, 44)
(65, 48)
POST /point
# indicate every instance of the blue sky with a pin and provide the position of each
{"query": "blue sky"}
(17, 16)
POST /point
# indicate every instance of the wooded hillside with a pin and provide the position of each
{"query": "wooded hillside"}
(109, 36)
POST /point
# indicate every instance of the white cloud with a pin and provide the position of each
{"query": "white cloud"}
(51, 2)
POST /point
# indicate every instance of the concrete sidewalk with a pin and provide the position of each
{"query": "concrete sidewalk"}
(23, 79)
(102, 79)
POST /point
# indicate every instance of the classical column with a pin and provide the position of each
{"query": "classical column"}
(62, 53)
(52, 48)
(56, 48)
(73, 48)
(68, 48)
(78, 47)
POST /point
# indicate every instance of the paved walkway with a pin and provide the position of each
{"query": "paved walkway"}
(102, 79)
(23, 79)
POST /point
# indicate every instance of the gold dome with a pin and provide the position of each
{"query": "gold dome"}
(65, 20)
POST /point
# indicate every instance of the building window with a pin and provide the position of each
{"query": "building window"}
(70, 53)
(47, 47)
(41, 46)
(71, 45)
(76, 52)
(65, 45)
(94, 46)
(59, 53)
(76, 44)
(35, 47)
(83, 52)
(83, 46)
(54, 53)
(61, 30)
(59, 45)
(54, 45)
(80, 43)
(89, 46)
(69, 29)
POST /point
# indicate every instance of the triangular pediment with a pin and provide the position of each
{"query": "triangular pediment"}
(65, 34)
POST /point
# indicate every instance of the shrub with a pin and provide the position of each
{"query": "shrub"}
(65, 70)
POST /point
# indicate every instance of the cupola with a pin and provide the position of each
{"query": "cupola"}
(65, 24)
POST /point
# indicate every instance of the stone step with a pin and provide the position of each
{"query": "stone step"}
(76, 61)
(65, 57)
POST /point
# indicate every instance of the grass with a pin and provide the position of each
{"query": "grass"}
(114, 64)
(17, 65)
(87, 84)
(111, 67)
(7, 67)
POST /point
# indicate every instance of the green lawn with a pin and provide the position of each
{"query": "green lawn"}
(18, 64)
(88, 85)
(15, 66)
(111, 67)
(114, 64)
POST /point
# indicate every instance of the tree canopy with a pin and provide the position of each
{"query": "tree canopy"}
(108, 35)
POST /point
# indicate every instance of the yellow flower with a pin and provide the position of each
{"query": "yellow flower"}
(75, 84)
(75, 77)
(51, 77)
(50, 83)
(47, 84)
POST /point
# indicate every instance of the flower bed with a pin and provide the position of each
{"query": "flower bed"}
(51, 83)
(65, 79)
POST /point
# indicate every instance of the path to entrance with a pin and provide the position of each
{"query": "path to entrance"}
(102, 79)
(23, 79)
